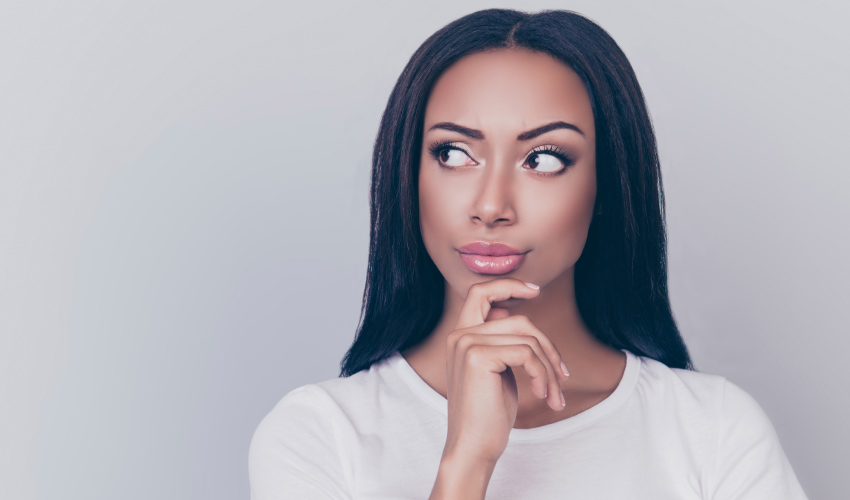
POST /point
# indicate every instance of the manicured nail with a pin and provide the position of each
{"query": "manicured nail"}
(532, 285)
(564, 369)
(563, 403)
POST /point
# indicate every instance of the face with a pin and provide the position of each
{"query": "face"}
(492, 170)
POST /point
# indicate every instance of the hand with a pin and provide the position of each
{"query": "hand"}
(481, 387)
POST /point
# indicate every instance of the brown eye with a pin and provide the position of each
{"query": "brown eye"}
(549, 160)
(544, 163)
(447, 156)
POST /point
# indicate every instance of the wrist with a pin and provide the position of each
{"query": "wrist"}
(461, 477)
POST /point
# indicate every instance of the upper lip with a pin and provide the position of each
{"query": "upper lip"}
(486, 248)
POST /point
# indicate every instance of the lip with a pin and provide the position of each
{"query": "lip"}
(485, 248)
(491, 258)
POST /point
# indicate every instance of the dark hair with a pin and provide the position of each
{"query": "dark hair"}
(621, 275)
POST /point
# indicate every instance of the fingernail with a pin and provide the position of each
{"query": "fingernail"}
(563, 403)
(532, 285)
(564, 369)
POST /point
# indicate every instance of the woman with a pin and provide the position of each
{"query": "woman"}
(516, 335)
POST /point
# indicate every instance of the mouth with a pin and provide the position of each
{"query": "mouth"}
(491, 258)
(486, 248)
(492, 264)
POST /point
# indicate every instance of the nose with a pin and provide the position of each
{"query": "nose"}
(494, 201)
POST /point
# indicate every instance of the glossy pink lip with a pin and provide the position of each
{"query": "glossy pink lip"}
(491, 258)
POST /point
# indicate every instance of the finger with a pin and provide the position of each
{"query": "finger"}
(521, 324)
(497, 358)
(551, 389)
(481, 295)
(497, 313)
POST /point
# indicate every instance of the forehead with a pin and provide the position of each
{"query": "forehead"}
(510, 90)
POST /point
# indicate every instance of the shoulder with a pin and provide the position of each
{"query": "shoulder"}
(305, 447)
(726, 402)
(296, 450)
(299, 427)
(744, 428)
(712, 399)
(323, 410)
(686, 390)
(378, 384)
(307, 404)
(750, 460)
(745, 456)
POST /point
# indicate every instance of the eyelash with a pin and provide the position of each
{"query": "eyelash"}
(437, 148)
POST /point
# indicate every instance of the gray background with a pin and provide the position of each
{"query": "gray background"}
(184, 219)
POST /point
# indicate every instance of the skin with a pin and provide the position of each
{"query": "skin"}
(495, 194)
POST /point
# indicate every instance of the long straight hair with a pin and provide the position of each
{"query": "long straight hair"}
(621, 275)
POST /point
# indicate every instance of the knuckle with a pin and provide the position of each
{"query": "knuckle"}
(545, 372)
(474, 355)
(520, 321)
(451, 338)
(465, 341)
(455, 334)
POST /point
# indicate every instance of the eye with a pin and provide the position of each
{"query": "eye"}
(447, 156)
(545, 160)
(549, 160)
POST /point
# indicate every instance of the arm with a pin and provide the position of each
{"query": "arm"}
(750, 460)
(461, 479)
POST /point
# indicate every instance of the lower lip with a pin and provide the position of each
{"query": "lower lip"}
(490, 264)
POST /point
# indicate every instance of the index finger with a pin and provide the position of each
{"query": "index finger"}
(482, 295)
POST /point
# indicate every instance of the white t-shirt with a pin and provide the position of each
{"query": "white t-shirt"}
(664, 433)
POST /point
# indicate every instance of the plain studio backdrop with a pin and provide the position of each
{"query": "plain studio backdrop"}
(184, 219)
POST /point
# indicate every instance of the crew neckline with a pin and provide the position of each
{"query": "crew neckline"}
(624, 389)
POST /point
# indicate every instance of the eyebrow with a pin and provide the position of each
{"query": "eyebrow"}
(525, 136)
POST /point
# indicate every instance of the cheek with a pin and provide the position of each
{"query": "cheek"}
(562, 220)
(436, 213)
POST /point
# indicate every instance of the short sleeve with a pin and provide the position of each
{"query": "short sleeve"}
(294, 452)
(750, 461)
